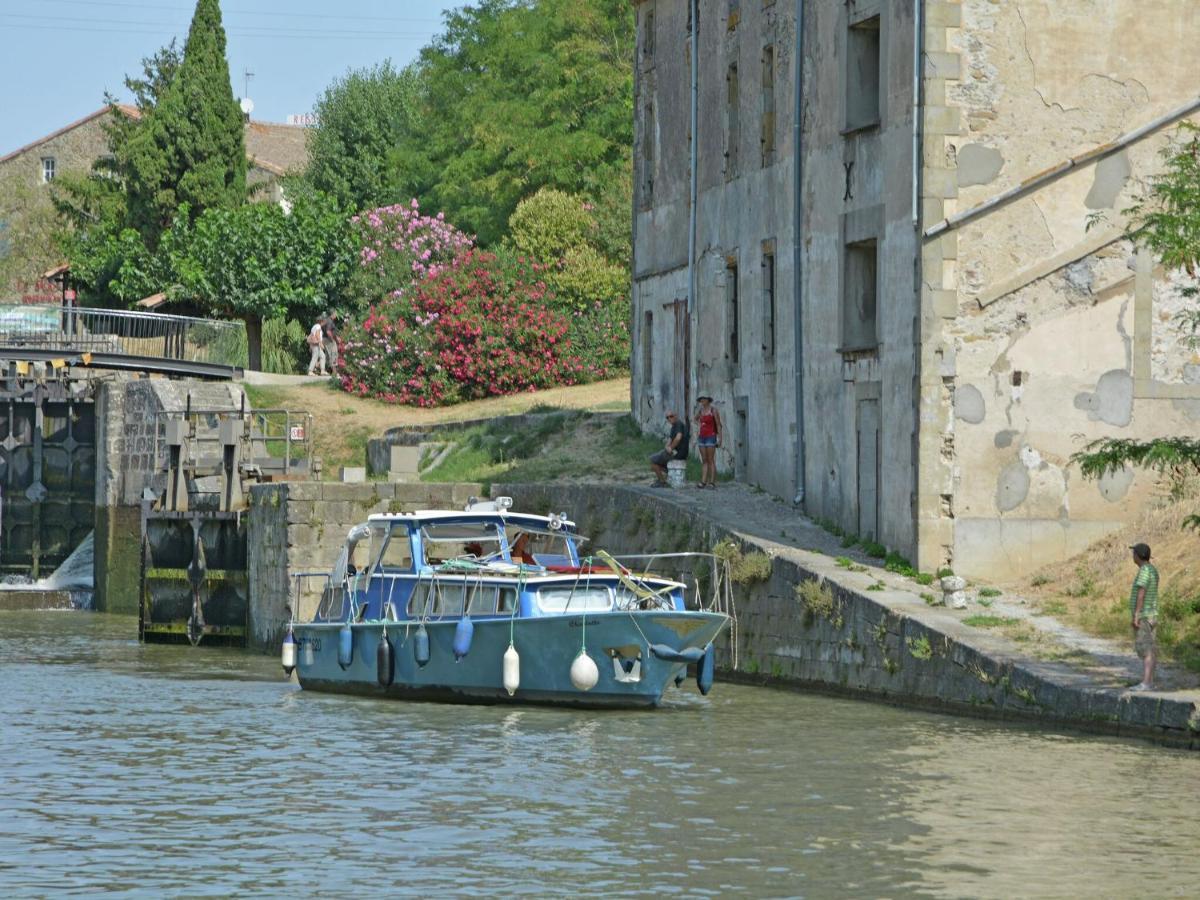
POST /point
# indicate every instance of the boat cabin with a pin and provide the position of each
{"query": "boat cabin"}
(438, 565)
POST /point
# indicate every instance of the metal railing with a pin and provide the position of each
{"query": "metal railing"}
(276, 442)
(126, 332)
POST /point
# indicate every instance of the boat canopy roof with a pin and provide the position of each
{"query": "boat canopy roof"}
(501, 517)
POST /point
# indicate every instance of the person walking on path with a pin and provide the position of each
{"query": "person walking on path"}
(317, 358)
(676, 447)
(1143, 609)
(708, 439)
(329, 340)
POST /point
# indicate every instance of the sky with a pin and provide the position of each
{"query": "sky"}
(58, 57)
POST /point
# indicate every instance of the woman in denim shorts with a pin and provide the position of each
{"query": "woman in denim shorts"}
(708, 440)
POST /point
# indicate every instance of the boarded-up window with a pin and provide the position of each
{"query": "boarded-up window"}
(732, 126)
(731, 297)
(862, 74)
(646, 179)
(859, 290)
(767, 137)
(648, 35)
(648, 348)
(768, 285)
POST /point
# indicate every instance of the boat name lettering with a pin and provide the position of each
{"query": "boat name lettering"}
(579, 624)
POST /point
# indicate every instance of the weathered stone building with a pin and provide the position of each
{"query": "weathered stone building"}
(961, 329)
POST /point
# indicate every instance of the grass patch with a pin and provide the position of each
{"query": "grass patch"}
(989, 621)
(929, 599)
(989, 592)
(1039, 580)
(1053, 608)
(877, 586)
(944, 572)
(818, 600)
(744, 568)
(874, 549)
(984, 602)
(920, 648)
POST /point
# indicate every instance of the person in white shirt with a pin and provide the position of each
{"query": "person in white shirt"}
(315, 336)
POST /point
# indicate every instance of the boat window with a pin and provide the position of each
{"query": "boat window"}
(451, 597)
(481, 599)
(417, 605)
(395, 554)
(508, 600)
(333, 605)
(564, 600)
(460, 540)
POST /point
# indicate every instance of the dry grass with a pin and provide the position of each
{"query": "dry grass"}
(343, 423)
(1091, 590)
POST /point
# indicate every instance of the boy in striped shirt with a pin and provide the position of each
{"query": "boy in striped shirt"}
(1143, 609)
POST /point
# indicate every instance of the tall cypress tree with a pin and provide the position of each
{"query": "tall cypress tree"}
(190, 147)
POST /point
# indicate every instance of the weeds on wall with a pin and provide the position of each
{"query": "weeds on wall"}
(744, 568)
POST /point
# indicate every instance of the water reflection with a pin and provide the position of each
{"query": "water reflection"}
(154, 770)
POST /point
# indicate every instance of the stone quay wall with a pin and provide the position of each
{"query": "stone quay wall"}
(299, 527)
(852, 639)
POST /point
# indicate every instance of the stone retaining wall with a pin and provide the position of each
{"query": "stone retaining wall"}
(297, 527)
(886, 644)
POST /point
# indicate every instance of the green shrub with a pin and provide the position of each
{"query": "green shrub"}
(744, 568)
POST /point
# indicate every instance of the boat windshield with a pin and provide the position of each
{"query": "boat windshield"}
(460, 540)
(394, 550)
(543, 548)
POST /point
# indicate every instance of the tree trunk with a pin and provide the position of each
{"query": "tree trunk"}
(254, 342)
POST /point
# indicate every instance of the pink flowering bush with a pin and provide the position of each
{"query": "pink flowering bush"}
(475, 326)
(398, 246)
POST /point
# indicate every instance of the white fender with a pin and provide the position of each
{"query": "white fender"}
(584, 673)
(512, 670)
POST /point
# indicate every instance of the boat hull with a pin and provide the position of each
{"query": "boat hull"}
(630, 675)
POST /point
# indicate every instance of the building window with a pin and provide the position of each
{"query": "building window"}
(47, 169)
(768, 285)
(859, 292)
(731, 297)
(767, 138)
(648, 35)
(734, 14)
(647, 348)
(647, 158)
(862, 75)
(732, 126)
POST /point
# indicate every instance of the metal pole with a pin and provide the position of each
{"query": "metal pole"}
(797, 248)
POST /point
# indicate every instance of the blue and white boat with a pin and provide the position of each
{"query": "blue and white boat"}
(486, 605)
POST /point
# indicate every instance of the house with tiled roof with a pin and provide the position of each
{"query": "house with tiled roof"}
(272, 150)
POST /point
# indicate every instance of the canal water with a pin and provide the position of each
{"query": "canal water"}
(150, 770)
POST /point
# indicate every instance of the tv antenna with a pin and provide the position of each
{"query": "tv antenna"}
(246, 76)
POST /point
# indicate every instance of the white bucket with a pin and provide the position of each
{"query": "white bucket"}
(676, 470)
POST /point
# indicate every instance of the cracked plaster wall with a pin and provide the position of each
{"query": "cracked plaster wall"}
(1025, 307)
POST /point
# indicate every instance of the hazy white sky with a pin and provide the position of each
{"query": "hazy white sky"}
(58, 57)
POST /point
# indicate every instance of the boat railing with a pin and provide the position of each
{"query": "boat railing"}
(308, 591)
(712, 587)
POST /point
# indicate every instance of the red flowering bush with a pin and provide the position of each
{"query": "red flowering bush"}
(480, 326)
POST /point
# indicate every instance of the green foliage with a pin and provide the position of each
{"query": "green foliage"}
(877, 586)
(945, 572)
(1053, 608)
(744, 568)
(923, 578)
(817, 597)
(519, 96)
(920, 648)
(989, 592)
(361, 118)
(874, 549)
(1039, 580)
(929, 599)
(549, 224)
(188, 148)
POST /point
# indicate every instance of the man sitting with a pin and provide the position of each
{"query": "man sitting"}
(676, 447)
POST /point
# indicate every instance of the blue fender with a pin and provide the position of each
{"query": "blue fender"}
(421, 646)
(345, 646)
(669, 654)
(463, 632)
(704, 671)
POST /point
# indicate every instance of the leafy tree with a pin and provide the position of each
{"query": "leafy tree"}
(516, 96)
(253, 262)
(361, 118)
(188, 147)
(1165, 220)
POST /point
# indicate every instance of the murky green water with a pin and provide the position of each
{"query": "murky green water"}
(157, 771)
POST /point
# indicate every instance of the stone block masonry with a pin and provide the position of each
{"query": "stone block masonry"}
(299, 527)
(852, 633)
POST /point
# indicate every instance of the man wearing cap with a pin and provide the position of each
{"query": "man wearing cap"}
(1143, 608)
(676, 447)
